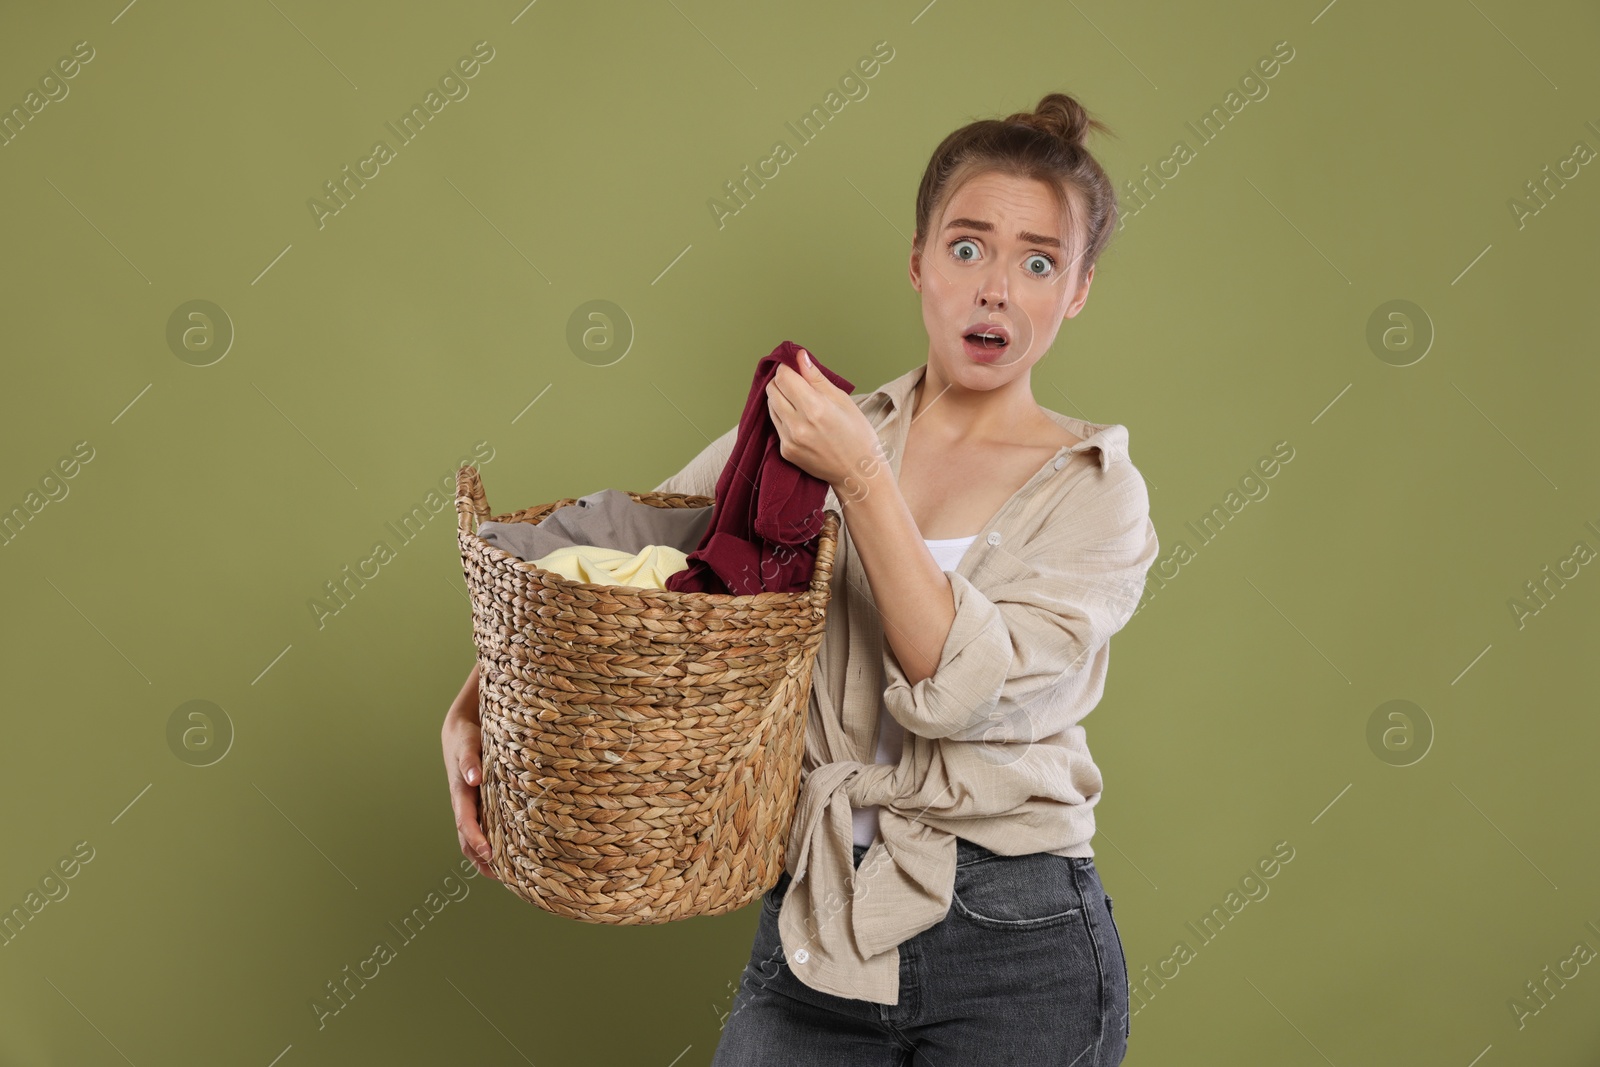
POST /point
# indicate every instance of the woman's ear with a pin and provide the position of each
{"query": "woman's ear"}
(1076, 304)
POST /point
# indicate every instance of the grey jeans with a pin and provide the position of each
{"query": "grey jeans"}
(1026, 969)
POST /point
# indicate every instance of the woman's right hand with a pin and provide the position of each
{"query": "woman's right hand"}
(462, 737)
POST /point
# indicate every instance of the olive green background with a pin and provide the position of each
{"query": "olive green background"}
(1438, 867)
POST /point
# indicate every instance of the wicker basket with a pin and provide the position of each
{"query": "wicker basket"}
(641, 747)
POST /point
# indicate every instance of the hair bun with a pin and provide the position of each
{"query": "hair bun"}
(1044, 145)
(1060, 116)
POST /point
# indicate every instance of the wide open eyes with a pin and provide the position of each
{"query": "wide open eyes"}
(1040, 265)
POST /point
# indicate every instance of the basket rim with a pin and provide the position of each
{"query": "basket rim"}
(501, 557)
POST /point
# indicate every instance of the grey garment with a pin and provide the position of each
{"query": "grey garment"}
(609, 518)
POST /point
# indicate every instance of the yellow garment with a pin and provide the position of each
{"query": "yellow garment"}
(649, 568)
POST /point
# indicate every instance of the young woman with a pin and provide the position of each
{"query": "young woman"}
(940, 902)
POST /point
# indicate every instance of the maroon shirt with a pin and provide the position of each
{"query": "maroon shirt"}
(767, 512)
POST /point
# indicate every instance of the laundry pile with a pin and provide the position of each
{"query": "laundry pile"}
(606, 538)
(758, 535)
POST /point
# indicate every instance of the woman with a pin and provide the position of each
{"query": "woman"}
(940, 902)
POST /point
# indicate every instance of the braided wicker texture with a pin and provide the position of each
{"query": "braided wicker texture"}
(641, 748)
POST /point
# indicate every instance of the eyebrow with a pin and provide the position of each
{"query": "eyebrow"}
(988, 227)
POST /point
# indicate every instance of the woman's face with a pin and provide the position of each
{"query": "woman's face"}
(999, 255)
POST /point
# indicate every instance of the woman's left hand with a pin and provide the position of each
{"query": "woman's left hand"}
(820, 429)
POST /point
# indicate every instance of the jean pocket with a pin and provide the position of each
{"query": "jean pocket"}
(772, 900)
(1029, 892)
(1127, 987)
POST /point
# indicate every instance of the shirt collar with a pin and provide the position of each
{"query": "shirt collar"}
(1109, 441)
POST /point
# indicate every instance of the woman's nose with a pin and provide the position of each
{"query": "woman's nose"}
(992, 289)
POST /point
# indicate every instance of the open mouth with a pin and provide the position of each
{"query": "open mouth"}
(986, 342)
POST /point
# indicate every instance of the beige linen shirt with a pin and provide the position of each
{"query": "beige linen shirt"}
(993, 751)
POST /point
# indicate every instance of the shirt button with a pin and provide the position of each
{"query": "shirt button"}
(801, 955)
(994, 537)
(1061, 461)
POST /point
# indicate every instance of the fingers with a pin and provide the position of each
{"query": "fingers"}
(464, 799)
(477, 860)
(474, 845)
(778, 404)
(461, 746)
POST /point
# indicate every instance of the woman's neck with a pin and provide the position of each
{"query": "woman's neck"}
(955, 415)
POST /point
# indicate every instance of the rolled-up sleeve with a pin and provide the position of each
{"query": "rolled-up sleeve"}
(699, 477)
(1054, 603)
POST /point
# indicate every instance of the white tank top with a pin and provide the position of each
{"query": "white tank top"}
(891, 735)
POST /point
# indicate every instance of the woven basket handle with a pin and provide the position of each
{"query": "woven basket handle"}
(472, 507)
(823, 571)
